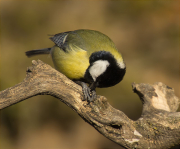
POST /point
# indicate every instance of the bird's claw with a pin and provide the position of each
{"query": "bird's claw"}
(88, 94)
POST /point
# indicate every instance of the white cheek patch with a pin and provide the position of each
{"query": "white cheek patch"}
(98, 68)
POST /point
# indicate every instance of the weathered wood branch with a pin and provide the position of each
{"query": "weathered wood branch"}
(158, 126)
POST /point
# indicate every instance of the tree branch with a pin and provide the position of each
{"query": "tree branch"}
(158, 126)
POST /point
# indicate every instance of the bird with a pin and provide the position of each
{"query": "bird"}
(87, 57)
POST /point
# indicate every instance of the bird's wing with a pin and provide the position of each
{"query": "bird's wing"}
(87, 40)
(66, 39)
(59, 39)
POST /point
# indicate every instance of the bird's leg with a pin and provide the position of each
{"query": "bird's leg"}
(86, 91)
(93, 90)
(89, 92)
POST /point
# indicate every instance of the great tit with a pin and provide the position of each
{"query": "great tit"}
(86, 56)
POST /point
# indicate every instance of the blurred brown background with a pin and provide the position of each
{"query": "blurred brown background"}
(145, 32)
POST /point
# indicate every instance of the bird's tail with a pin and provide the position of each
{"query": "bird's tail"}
(37, 52)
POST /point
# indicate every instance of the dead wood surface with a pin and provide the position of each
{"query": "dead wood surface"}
(158, 126)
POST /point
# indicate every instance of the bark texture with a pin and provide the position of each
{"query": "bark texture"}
(158, 126)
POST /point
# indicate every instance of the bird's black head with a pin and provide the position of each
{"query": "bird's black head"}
(104, 70)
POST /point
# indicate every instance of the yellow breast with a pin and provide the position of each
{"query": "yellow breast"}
(73, 64)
